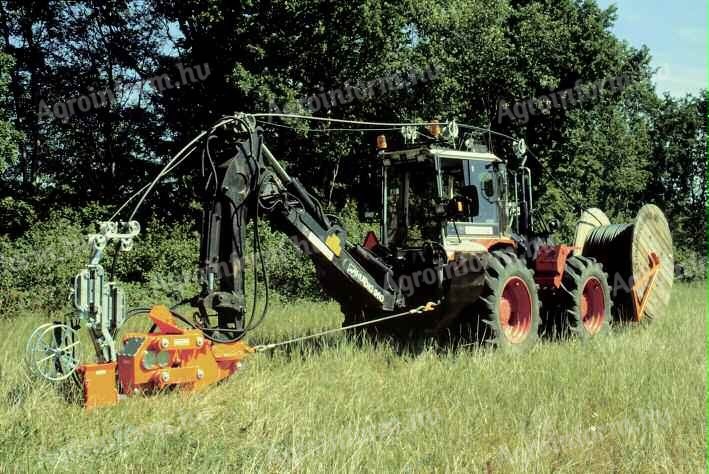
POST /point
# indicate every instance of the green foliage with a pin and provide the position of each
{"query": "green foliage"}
(36, 269)
(356, 229)
(162, 266)
(616, 152)
(678, 181)
(9, 136)
(692, 265)
(15, 216)
(290, 272)
(487, 53)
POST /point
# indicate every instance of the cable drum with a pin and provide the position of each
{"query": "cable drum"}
(610, 245)
(624, 250)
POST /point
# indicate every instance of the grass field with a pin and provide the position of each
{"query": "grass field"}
(631, 402)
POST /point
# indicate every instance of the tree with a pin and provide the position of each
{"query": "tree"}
(78, 99)
(9, 137)
(678, 167)
(513, 66)
(14, 214)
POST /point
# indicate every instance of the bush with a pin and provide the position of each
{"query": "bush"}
(291, 272)
(356, 229)
(689, 265)
(15, 216)
(37, 269)
(162, 266)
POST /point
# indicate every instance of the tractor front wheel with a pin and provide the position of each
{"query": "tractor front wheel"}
(508, 309)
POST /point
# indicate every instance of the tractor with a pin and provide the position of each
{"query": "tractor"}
(457, 226)
(461, 254)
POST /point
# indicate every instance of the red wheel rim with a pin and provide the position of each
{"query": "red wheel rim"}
(516, 310)
(593, 306)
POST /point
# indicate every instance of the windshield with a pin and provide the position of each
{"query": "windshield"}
(488, 182)
(413, 195)
(458, 173)
(483, 179)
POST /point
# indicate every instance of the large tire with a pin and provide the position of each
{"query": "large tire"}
(508, 307)
(585, 299)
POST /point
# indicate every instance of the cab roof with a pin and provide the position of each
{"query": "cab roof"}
(426, 152)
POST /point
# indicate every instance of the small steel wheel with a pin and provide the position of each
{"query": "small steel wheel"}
(29, 348)
(54, 353)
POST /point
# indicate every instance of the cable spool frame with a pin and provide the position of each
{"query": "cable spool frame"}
(639, 260)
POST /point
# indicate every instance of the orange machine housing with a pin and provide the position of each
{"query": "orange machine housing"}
(170, 356)
(549, 265)
(99, 384)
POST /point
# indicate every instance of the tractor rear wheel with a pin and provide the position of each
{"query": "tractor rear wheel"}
(508, 307)
(585, 298)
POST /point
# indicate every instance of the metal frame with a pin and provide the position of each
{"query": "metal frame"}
(99, 303)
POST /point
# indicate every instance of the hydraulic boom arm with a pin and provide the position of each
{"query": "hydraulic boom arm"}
(252, 184)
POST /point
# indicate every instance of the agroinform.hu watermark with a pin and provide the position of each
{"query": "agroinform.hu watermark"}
(96, 99)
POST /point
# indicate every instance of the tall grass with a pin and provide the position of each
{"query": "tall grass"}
(631, 402)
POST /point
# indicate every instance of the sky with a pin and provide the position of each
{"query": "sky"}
(676, 34)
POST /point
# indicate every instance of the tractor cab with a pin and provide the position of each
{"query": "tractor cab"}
(456, 198)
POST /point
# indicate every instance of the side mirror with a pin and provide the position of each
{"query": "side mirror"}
(488, 185)
(553, 225)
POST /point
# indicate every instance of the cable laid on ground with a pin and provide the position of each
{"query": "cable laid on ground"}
(421, 309)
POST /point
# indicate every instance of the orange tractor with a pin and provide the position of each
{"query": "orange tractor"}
(461, 255)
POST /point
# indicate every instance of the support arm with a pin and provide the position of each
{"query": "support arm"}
(252, 183)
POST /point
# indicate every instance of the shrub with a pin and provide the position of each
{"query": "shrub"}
(689, 265)
(15, 216)
(291, 272)
(36, 269)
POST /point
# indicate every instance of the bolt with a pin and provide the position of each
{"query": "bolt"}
(238, 365)
(164, 343)
(200, 341)
(165, 376)
(200, 374)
